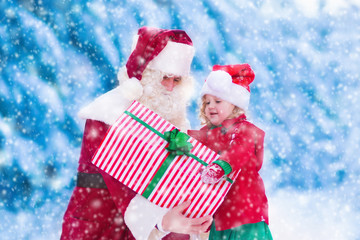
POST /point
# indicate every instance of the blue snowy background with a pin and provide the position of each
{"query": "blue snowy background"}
(56, 56)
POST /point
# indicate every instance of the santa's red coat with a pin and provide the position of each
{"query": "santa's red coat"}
(95, 213)
(240, 143)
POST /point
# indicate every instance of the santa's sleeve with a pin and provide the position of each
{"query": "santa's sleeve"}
(140, 215)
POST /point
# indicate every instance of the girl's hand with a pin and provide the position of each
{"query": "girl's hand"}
(212, 174)
(175, 221)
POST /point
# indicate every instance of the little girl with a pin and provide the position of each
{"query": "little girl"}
(225, 98)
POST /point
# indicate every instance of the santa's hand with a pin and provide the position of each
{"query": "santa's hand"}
(175, 221)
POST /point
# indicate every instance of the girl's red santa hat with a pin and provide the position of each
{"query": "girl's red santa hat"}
(169, 51)
(230, 83)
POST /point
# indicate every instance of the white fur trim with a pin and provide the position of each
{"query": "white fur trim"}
(175, 58)
(141, 216)
(219, 83)
(131, 89)
(107, 108)
(159, 226)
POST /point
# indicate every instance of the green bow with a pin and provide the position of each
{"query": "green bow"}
(178, 143)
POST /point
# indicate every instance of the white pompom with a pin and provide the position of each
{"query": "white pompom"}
(220, 81)
(122, 75)
(131, 89)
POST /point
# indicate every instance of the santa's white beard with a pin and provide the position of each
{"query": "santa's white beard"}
(169, 105)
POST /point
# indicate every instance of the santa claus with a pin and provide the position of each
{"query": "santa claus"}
(157, 74)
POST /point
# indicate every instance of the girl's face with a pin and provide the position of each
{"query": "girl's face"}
(217, 110)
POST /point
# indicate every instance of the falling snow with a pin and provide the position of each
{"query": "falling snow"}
(56, 56)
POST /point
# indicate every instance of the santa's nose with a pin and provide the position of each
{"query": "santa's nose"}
(168, 83)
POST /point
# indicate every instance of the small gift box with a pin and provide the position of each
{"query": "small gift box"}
(149, 155)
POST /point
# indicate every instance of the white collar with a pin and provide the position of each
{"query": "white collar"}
(106, 108)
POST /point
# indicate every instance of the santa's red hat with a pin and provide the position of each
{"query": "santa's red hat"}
(170, 51)
(230, 83)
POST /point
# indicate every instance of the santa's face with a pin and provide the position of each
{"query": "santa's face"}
(217, 110)
(165, 95)
(170, 81)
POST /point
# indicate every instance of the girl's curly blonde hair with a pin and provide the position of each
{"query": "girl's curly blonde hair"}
(204, 120)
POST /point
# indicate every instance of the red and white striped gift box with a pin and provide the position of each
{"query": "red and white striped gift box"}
(133, 151)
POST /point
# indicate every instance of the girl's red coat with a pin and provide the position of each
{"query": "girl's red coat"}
(240, 143)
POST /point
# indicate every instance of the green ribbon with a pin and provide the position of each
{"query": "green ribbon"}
(178, 145)
(178, 142)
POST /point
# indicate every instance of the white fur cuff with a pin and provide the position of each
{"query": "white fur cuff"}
(141, 216)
